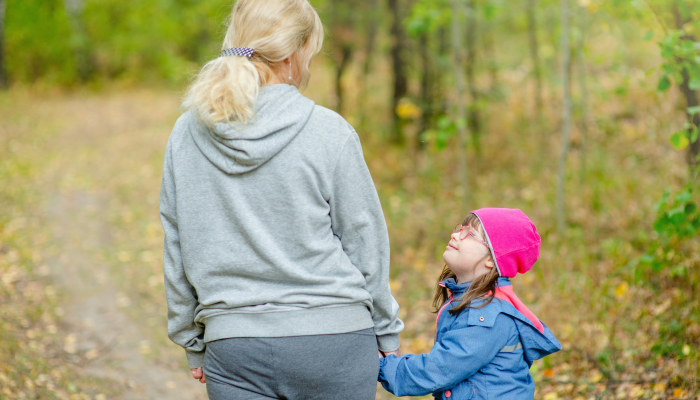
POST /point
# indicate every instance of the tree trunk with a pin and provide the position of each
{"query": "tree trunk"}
(400, 81)
(490, 57)
(426, 88)
(566, 116)
(474, 118)
(4, 82)
(691, 100)
(367, 64)
(460, 115)
(583, 87)
(345, 56)
(81, 45)
(443, 63)
(534, 53)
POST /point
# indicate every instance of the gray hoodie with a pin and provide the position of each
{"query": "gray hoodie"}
(273, 229)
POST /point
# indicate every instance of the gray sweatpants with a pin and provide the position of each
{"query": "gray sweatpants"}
(330, 367)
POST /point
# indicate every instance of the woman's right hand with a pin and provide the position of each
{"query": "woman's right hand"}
(197, 373)
(396, 352)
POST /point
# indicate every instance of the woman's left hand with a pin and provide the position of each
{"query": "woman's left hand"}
(197, 373)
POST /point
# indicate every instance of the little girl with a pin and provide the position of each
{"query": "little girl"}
(485, 339)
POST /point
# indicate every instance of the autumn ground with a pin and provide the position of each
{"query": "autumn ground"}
(75, 326)
(81, 291)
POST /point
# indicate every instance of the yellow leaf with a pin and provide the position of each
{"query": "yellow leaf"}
(621, 289)
(596, 377)
(551, 396)
(677, 392)
(145, 347)
(660, 387)
(407, 110)
(395, 285)
(686, 350)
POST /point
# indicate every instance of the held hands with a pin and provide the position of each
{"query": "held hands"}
(198, 374)
(383, 354)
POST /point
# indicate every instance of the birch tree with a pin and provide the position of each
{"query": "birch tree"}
(474, 117)
(583, 88)
(566, 115)
(530, 11)
(460, 107)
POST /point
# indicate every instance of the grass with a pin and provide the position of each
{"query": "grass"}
(38, 356)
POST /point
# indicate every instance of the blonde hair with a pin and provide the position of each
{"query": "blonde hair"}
(226, 88)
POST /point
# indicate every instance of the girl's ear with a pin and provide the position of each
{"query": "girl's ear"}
(489, 263)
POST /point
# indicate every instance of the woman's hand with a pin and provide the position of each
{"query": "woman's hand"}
(383, 354)
(198, 374)
(396, 352)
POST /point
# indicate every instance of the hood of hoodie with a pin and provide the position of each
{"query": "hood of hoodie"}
(281, 112)
(512, 238)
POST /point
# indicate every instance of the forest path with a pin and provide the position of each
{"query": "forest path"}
(110, 334)
(112, 344)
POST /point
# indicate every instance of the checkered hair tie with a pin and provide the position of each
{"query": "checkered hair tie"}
(238, 51)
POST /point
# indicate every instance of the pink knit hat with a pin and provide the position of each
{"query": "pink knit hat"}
(512, 237)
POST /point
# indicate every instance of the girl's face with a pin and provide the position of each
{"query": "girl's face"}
(468, 258)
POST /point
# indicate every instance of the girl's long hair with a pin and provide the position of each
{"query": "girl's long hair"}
(226, 88)
(482, 287)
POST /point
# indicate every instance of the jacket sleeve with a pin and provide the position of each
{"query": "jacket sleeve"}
(181, 297)
(459, 354)
(357, 219)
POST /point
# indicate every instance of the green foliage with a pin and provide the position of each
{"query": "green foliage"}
(445, 129)
(677, 222)
(681, 56)
(689, 134)
(146, 41)
(427, 16)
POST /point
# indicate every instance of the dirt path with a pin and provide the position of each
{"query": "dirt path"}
(106, 330)
(112, 342)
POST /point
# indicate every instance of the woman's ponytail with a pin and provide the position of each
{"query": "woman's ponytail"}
(226, 88)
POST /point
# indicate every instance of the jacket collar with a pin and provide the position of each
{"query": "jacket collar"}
(458, 289)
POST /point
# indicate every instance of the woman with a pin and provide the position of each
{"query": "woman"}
(276, 255)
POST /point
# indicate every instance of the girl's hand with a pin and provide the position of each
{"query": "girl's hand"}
(198, 374)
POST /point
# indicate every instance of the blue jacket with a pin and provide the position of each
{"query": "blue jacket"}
(481, 353)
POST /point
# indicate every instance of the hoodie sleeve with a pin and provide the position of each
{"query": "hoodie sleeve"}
(358, 220)
(181, 297)
(459, 354)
